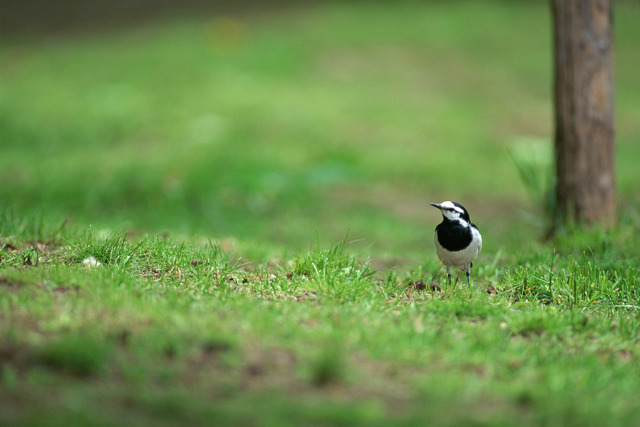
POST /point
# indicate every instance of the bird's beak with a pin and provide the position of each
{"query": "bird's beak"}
(435, 205)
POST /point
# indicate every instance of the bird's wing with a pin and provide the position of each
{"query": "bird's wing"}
(479, 237)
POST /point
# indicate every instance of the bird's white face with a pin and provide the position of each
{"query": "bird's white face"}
(451, 211)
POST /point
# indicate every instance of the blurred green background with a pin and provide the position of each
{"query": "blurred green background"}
(268, 127)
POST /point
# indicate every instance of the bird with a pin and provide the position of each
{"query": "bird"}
(458, 241)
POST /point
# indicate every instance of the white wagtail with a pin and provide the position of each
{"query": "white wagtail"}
(457, 240)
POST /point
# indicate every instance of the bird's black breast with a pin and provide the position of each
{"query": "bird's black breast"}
(453, 236)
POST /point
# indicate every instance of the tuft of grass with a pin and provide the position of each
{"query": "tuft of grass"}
(334, 273)
(331, 264)
(113, 250)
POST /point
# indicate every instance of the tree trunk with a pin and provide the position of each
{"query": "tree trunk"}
(584, 133)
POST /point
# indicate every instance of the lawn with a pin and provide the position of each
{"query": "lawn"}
(224, 219)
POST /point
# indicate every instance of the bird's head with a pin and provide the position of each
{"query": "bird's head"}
(452, 211)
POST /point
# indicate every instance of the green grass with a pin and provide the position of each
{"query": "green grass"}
(170, 332)
(254, 193)
(331, 119)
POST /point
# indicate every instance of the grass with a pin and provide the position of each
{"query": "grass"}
(179, 332)
(211, 168)
(276, 137)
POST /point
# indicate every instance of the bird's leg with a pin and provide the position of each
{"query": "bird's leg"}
(449, 274)
(468, 274)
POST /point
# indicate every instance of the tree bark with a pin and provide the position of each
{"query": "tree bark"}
(584, 132)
